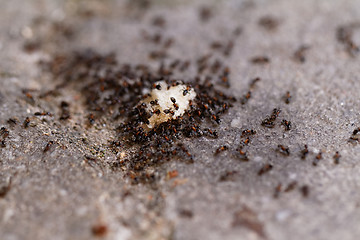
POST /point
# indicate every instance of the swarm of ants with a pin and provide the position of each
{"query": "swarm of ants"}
(115, 91)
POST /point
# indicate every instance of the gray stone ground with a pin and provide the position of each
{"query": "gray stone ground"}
(59, 195)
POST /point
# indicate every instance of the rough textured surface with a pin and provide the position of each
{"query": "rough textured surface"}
(50, 190)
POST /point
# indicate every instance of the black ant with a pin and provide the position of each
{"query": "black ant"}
(26, 122)
(221, 149)
(205, 13)
(91, 118)
(248, 132)
(277, 190)
(286, 124)
(4, 133)
(291, 186)
(266, 168)
(245, 98)
(42, 114)
(154, 102)
(287, 97)
(260, 60)
(227, 176)
(356, 131)
(317, 159)
(269, 121)
(337, 157)
(48, 146)
(304, 152)
(268, 22)
(299, 54)
(283, 150)
(65, 113)
(242, 155)
(344, 35)
(12, 121)
(159, 21)
(305, 190)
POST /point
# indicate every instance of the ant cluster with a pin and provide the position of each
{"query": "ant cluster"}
(134, 95)
(269, 121)
(157, 144)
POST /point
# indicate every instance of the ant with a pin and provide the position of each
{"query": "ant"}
(48, 146)
(304, 152)
(287, 97)
(221, 149)
(299, 54)
(91, 119)
(283, 150)
(65, 113)
(4, 133)
(337, 157)
(268, 22)
(269, 121)
(286, 124)
(12, 121)
(291, 186)
(260, 60)
(317, 159)
(248, 132)
(266, 168)
(277, 190)
(26, 122)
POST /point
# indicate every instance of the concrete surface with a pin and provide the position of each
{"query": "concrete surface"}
(59, 194)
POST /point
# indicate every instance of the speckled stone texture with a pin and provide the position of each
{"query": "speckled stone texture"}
(58, 193)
